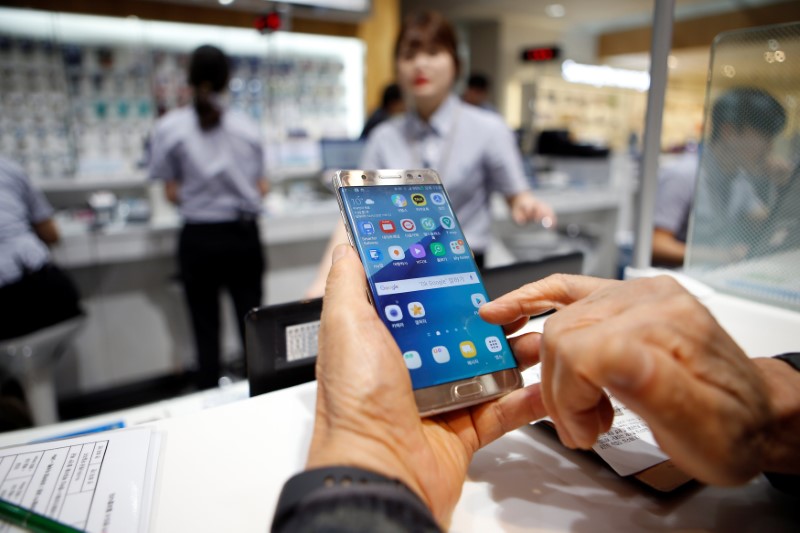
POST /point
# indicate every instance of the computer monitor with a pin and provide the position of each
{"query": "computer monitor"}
(341, 153)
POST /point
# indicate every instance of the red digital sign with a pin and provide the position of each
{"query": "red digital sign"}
(270, 22)
(542, 53)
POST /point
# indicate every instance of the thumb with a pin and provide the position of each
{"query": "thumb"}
(346, 278)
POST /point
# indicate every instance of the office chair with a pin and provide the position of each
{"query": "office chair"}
(30, 360)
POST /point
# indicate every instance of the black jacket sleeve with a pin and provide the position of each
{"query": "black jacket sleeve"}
(359, 508)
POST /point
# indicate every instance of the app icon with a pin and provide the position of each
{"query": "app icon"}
(440, 354)
(494, 345)
(416, 310)
(428, 224)
(399, 201)
(412, 359)
(447, 222)
(366, 227)
(457, 247)
(375, 254)
(478, 299)
(393, 313)
(387, 226)
(419, 199)
(437, 198)
(397, 253)
(437, 249)
(468, 349)
(417, 250)
(408, 224)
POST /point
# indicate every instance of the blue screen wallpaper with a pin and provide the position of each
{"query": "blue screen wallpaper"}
(426, 286)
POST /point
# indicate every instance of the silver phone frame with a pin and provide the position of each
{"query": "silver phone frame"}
(455, 394)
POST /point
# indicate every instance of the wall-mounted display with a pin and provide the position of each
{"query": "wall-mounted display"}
(80, 93)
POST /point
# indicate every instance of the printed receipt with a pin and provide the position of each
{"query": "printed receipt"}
(98, 483)
(628, 447)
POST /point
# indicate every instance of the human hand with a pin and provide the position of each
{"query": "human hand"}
(525, 207)
(366, 415)
(660, 352)
(263, 187)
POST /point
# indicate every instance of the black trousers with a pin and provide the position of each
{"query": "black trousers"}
(213, 257)
(40, 299)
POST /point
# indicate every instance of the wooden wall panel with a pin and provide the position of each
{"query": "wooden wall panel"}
(699, 32)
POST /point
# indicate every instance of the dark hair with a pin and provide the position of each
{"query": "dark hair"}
(209, 72)
(391, 94)
(478, 81)
(427, 30)
(747, 107)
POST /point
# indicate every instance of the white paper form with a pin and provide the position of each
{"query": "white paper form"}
(628, 447)
(99, 483)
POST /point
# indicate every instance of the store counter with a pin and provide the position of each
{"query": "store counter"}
(128, 277)
(222, 468)
(301, 221)
(119, 242)
(235, 459)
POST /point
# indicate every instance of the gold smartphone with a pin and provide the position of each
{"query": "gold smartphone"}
(426, 286)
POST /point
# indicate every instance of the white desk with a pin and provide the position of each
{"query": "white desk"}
(221, 469)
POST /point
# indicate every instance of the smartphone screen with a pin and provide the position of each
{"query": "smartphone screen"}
(424, 281)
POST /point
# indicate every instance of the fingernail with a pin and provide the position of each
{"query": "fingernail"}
(338, 253)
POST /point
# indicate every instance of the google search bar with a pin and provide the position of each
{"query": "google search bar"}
(429, 282)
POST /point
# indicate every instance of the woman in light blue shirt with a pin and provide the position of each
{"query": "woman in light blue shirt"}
(472, 149)
(211, 161)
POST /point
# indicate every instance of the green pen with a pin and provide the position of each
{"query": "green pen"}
(25, 518)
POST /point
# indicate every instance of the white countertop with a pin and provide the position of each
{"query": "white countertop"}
(221, 468)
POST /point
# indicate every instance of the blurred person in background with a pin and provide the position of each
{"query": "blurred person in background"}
(34, 292)
(472, 149)
(478, 91)
(211, 161)
(391, 104)
(739, 179)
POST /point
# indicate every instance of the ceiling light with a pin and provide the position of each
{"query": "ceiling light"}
(225, 2)
(604, 76)
(555, 11)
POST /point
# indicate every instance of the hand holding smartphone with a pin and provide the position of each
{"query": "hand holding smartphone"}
(426, 286)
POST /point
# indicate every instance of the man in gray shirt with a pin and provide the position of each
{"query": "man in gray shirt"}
(34, 293)
(738, 181)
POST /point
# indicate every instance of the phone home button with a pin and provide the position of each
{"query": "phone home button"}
(466, 390)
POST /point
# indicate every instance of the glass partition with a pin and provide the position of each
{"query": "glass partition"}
(744, 233)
